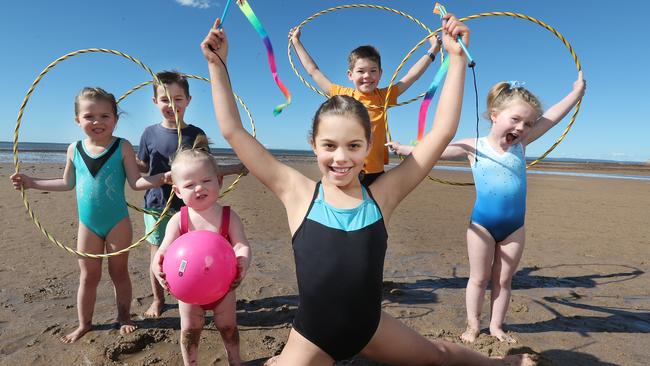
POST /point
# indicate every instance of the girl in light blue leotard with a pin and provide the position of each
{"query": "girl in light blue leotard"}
(98, 166)
(495, 237)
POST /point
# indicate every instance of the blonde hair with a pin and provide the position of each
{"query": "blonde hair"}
(198, 151)
(505, 92)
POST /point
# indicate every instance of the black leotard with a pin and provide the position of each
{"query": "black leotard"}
(339, 256)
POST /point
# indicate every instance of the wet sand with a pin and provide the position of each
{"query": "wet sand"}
(581, 295)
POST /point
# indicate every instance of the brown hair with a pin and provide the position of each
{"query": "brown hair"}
(504, 92)
(199, 150)
(95, 94)
(368, 52)
(171, 77)
(342, 105)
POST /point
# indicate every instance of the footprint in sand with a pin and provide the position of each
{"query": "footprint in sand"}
(136, 342)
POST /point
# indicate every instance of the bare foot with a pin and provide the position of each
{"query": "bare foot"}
(525, 359)
(470, 335)
(271, 361)
(76, 334)
(155, 309)
(127, 326)
(502, 336)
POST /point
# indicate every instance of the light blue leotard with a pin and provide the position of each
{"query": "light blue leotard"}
(500, 181)
(100, 187)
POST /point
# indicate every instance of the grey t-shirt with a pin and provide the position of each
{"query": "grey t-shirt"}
(157, 144)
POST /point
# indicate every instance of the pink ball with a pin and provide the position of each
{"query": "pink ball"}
(200, 266)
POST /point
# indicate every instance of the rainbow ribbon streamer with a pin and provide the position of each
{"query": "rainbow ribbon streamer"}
(437, 79)
(435, 83)
(255, 22)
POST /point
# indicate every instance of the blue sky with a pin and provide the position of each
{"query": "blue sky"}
(165, 34)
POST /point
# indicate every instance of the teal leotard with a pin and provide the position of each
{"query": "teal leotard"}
(100, 187)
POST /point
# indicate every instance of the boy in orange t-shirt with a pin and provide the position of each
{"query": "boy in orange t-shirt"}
(364, 70)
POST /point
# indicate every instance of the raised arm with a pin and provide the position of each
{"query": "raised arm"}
(393, 186)
(420, 66)
(555, 114)
(307, 62)
(280, 178)
(136, 181)
(65, 183)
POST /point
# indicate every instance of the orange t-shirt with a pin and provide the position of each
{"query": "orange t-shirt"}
(378, 155)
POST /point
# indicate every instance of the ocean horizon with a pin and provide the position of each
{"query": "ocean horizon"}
(45, 147)
(54, 153)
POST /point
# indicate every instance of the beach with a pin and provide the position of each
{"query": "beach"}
(581, 295)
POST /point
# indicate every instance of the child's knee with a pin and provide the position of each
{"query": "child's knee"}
(190, 337)
(227, 328)
(229, 334)
(190, 323)
(478, 281)
(505, 283)
(119, 275)
(439, 353)
(90, 278)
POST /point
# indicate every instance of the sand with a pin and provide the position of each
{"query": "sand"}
(581, 295)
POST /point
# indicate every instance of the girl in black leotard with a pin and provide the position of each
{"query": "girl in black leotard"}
(338, 227)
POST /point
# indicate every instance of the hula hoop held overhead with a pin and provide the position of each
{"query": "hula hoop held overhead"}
(353, 6)
(16, 159)
(429, 35)
(481, 15)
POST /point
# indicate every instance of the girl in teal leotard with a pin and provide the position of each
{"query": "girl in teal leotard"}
(98, 166)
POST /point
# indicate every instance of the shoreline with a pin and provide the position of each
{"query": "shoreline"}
(6, 148)
(636, 171)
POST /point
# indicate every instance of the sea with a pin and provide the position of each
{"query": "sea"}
(54, 153)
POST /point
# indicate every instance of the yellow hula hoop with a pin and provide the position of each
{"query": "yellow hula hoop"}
(239, 100)
(352, 6)
(21, 110)
(496, 13)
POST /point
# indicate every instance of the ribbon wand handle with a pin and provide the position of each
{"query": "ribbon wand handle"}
(223, 16)
(440, 9)
(470, 60)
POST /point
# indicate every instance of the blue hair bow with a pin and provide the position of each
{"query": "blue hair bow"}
(514, 84)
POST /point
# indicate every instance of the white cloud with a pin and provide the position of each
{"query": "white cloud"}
(201, 4)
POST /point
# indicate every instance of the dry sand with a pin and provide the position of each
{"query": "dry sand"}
(582, 292)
